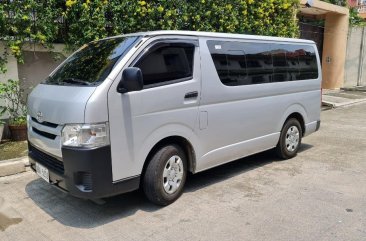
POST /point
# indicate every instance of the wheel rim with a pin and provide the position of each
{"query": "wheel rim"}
(292, 138)
(173, 174)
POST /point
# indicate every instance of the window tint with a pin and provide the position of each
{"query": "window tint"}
(240, 63)
(231, 67)
(308, 68)
(167, 63)
(280, 68)
(259, 62)
(292, 59)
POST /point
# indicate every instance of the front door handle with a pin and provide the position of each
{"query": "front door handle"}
(191, 95)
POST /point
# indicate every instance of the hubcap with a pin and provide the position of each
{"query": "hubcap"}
(173, 174)
(292, 138)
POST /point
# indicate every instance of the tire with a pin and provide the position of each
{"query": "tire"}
(165, 175)
(290, 139)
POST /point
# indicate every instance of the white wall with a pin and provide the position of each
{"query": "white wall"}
(353, 70)
(38, 63)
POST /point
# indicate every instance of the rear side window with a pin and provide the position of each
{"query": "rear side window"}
(167, 62)
(241, 63)
(308, 67)
(260, 63)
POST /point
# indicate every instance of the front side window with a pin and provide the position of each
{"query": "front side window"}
(165, 63)
(91, 64)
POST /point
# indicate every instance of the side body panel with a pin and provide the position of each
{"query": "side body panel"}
(243, 120)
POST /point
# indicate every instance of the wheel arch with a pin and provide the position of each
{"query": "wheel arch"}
(299, 117)
(182, 142)
(298, 112)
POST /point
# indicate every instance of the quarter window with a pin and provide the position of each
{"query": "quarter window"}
(165, 63)
(242, 63)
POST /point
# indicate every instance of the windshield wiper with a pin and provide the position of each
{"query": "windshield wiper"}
(76, 81)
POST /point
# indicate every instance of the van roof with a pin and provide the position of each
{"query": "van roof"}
(218, 35)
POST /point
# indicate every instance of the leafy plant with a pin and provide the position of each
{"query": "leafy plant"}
(355, 19)
(337, 2)
(76, 22)
(13, 96)
(27, 22)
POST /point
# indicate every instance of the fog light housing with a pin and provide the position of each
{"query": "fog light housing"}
(83, 181)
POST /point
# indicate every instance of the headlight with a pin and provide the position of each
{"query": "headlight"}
(85, 135)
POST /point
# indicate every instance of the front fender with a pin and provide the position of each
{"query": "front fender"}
(163, 132)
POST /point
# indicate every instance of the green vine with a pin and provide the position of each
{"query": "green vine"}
(355, 19)
(27, 21)
(76, 22)
(337, 2)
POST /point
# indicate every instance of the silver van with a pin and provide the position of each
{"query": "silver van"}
(142, 110)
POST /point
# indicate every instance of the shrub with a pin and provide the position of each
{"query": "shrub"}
(76, 22)
(14, 105)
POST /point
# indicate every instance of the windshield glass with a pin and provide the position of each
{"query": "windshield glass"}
(92, 63)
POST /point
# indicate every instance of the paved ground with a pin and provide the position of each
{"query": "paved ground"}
(319, 195)
(343, 97)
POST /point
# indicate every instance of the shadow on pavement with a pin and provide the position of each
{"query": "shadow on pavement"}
(80, 213)
(231, 169)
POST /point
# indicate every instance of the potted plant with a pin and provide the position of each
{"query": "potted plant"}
(14, 107)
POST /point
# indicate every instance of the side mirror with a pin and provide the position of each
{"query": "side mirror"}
(131, 80)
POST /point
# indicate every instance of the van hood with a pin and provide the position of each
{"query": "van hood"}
(59, 104)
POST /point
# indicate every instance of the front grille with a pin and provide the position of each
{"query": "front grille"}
(44, 134)
(46, 160)
(45, 123)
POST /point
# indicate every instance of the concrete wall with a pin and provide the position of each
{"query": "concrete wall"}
(355, 59)
(334, 50)
(37, 66)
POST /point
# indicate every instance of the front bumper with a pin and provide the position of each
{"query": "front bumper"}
(317, 125)
(84, 173)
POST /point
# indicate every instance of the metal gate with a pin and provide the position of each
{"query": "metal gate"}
(313, 32)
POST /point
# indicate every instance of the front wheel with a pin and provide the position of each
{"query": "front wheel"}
(165, 175)
(290, 139)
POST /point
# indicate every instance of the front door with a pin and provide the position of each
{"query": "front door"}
(169, 101)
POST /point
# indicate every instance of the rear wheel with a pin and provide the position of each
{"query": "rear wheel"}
(165, 175)
(290, 139)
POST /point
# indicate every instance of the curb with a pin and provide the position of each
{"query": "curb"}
(335, 105)
(356, 88)
(14, 166)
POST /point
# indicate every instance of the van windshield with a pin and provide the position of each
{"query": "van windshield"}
(92, 63)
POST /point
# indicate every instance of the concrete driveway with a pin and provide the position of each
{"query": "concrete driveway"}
(319, 195)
